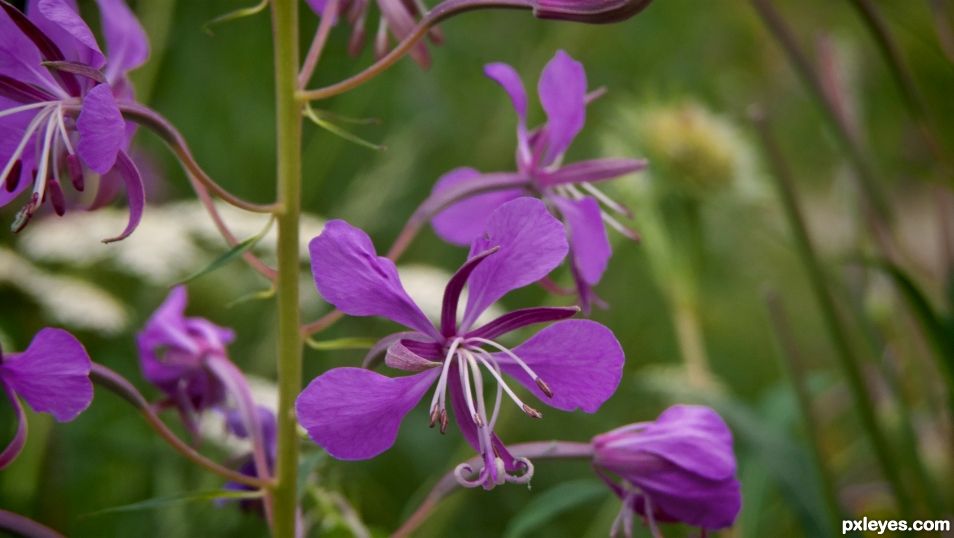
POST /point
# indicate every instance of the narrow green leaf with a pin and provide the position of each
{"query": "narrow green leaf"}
(552, 503)
(332, 116)
(312, 115)
(230, 255)
(233, 15)
(196, 496)
(341, 343)
(259, 295)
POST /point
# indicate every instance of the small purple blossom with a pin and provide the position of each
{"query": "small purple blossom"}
(566, 189)
(679, 467)
(355, 413)
(173, 354)
(59, 104)
(398, 19)
(51, 376)
(236, 425)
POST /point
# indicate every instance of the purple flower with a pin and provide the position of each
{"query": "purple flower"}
(173, 355)
(58, 104)
(678, 468)
(355, 413)
(567, 188)
(52, 376)
(235, 423)
(398, 18)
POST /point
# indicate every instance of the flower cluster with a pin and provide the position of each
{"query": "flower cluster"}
(59, 112)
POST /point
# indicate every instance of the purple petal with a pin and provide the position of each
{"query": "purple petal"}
(15, 446)
(562, 90)
(135, 193)
(60, 19)
(126, 41)
(580, 360)
(350, 275)
(509, 79)
(101, 129)
(400, 357)
(532, 243)
(589, 243)
(52, 375)
(512, 321)
(593, 170)
(453, 290)
(464, 220)
(19, 55)
(678, 496)
(354, 413)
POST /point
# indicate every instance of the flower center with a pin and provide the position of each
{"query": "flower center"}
(472, 361)
(48, 131)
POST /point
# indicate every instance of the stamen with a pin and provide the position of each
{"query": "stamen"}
(437, 401)
(468, 396)
(56, 197)
(42, 174)
(23, 108)
(64, 134)
(12, 180)
(27, 134)
(607, 201)
(75, 170)
(503, 384)
(619, 227)
(513, 356)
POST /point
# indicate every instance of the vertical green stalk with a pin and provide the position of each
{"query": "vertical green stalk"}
(288, 153)
(849, 361)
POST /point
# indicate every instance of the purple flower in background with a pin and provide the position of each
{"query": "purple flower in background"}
(236, 425)
(355, 413)
(58, 104)
(398, 18)
(678, 468)
(567, 189)
(52, 376)
(173, 354)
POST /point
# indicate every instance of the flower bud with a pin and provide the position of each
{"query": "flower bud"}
(678, 468)
(588, 11)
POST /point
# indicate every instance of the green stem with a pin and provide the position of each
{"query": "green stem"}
(849, 361)
(288, 153)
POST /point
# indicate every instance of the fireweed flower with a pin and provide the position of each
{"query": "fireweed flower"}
(398, 18)
(173, 354)
(51, 376)
(679, 467)
(58, 104)
(355, 413)
(567, 189)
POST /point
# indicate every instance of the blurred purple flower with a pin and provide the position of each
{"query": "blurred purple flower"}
(567, 188)
(355, 413)
(235, 423)
(52, 376)
(398, 18)
(58, 103)
(678, 468)
(173, 354)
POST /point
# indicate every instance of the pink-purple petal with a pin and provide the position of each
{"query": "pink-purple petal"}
(350, 275)
(509, 79)
(354, 413)
(462, 221)
(562, 90)
(52, 375)
(589, 243)
(60, 19)
(135, 194)
(126, 40)
(532, 244)
(101, 129)
(580, 360)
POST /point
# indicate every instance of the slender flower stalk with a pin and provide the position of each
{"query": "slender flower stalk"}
(24, 526)
(848, 359)
(288, 111)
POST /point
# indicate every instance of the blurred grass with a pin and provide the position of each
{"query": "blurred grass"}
(218, 91)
